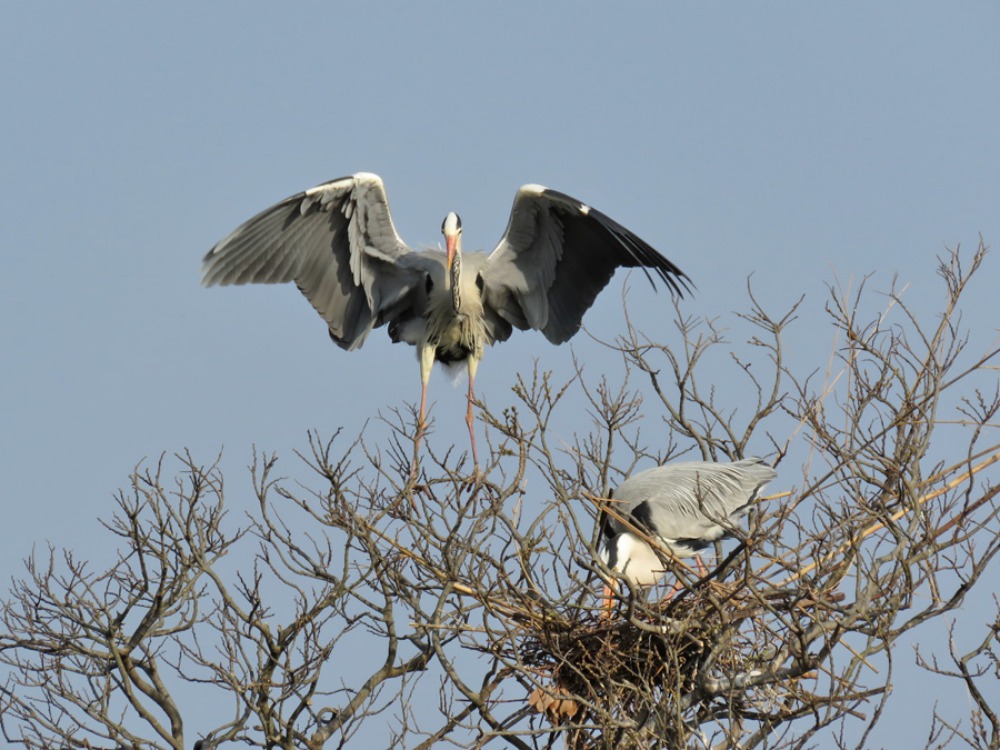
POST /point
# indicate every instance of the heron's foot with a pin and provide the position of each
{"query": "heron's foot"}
(412, 487)
(415, 460)
(418, 439)
(472, 483)
(400, 510)
(725, 589)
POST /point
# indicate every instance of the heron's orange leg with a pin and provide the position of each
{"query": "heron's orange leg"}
(473, 363)
(607, 603)
(421, 417)
(702, 570)
(426, 354)
(676, 588)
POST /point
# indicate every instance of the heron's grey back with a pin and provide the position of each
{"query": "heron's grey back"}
(691, 499)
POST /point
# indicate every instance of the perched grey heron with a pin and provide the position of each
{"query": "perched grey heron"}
(338, 244)
(683, 507)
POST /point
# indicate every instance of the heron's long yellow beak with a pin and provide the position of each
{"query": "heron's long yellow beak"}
(451, 244)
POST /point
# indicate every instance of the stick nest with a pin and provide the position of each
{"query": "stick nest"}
(598, 664)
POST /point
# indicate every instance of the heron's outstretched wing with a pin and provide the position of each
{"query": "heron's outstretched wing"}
(337, 242)
(556, 256)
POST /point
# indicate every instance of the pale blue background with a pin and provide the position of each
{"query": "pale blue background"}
(792, 141)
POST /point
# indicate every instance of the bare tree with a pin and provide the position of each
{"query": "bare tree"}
(360, 603)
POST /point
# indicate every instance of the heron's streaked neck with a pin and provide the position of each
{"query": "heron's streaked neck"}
(456, 277)
(452, 231)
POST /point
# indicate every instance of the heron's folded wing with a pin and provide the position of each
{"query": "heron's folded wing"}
(696, 499)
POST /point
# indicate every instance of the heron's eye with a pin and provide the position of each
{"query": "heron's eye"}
(428, 283)
(480, 283)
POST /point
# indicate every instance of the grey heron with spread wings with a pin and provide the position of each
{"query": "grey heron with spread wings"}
(338, 244)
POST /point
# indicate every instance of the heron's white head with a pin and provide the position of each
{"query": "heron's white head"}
(452, 231)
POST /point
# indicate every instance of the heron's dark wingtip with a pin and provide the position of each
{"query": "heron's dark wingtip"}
(680, 283)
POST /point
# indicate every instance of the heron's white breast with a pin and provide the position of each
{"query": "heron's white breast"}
(465, 330)
(637, 561)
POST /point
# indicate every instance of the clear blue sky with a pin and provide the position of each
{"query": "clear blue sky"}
(787, 140)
